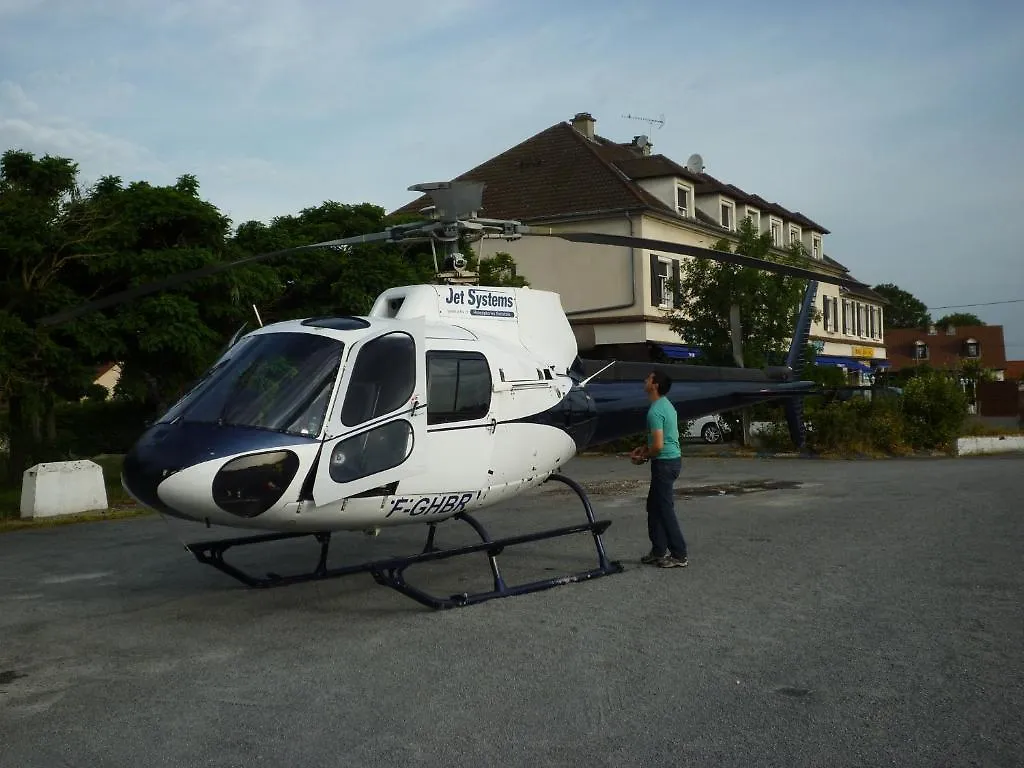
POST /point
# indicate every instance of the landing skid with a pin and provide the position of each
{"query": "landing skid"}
(391, 572)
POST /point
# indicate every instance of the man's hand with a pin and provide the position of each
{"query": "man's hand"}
(638, 455)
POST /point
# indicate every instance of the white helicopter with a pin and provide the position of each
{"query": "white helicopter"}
(444, 400)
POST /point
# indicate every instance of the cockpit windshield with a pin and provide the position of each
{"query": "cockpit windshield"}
(277, 381)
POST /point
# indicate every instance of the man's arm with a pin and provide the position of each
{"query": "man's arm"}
(656, 426)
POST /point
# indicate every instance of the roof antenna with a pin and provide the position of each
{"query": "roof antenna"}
(258, 320)
(658, 121)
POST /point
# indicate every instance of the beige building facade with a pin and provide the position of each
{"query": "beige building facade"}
(569, 178)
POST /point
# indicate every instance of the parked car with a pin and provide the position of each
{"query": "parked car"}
(710, 429)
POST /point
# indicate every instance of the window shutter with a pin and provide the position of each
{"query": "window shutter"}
(655, 282)
(824, 309)
(677, 277)
(846, 317)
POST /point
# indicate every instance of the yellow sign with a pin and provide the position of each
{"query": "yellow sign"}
(863, 351)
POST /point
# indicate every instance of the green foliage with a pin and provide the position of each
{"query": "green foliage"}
(958, 320)
(905, 310)
(61, 246)
(934, 408)
(499, 270)
(769, 303)
(928, 415)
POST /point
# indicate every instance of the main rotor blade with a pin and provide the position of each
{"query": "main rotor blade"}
(700, 253)
(184, 277)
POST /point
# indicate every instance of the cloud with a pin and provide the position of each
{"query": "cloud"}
(893, 125)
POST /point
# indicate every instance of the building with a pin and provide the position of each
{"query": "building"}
(849, 330)
(567, 177)
(1015, 371)
(948, 348)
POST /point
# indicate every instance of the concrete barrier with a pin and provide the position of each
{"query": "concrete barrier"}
(973, 446)
(62, 488)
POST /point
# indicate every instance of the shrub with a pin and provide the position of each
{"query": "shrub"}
(934, 410)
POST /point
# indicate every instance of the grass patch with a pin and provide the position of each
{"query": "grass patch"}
(120, 504)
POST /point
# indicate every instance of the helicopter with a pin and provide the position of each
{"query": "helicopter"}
(443, 400)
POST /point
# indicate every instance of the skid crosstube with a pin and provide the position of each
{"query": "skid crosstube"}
(391, 572)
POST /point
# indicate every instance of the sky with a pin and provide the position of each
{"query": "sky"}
(896, 126)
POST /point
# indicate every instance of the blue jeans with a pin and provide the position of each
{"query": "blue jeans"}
(662, 523)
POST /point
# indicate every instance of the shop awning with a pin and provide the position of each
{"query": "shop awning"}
(850, 363)
(678, 351)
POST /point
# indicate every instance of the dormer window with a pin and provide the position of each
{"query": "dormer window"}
(683, 200)
(727, 215)
(920, 350)
(755, 219)
(816, 247)
(794, 235)
(776, 230)
(972, 348)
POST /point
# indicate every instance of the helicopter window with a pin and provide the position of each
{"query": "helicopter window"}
(458, 386)
(278, 381)
(382, 379)
(373, 451)
(337, 323)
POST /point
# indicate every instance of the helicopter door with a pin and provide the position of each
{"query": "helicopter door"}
(378, 422)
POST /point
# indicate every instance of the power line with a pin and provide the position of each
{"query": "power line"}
(986, 304)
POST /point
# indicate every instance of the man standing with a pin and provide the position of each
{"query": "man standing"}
(668, 547)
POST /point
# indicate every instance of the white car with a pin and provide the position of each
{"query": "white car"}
(710, 429)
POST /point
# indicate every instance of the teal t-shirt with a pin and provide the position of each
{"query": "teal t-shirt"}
(662, 415)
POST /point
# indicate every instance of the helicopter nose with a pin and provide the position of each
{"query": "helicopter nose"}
(167, 450)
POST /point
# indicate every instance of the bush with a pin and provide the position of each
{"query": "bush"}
(934, 410)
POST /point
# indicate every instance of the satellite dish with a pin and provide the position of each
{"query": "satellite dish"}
(695, 164)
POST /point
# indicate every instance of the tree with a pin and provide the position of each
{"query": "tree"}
(45, 228)
(959, 319)
(769, 303)
(499, 270)
(905, 310)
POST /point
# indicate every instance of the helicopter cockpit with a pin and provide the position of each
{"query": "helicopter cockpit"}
(347, 394)
(276, 381)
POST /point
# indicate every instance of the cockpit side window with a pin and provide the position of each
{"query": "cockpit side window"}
(458, 386)
(382, 380)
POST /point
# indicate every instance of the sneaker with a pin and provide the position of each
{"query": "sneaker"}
(669, 561)
(651, 558)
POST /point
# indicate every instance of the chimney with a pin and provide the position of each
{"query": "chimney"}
(584, 123)
(643, 143)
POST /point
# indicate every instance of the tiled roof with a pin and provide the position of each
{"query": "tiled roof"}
(559, 172)
(945, 351)
(861, 289)
(1014, 370)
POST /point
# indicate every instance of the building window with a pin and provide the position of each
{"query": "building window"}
(794, 235)
(972, 348)
(776, 229)
(727, 210)
(662, 273)
(920, 350)
(826, 303)
(755, 219)
(683, 200)
(816, 247)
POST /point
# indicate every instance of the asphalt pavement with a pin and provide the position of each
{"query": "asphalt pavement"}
(833, 613)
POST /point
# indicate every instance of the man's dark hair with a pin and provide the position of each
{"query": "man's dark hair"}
(662, 382)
